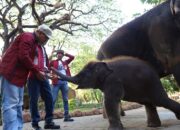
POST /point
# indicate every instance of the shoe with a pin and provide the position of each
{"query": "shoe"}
(36, 127)
(68, 119)
(51, 125)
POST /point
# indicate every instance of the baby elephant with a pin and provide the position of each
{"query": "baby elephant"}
(129, 79)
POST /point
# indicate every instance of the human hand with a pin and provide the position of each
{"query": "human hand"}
(54, 70)
(50, 76)
(41, 75)
(46, 70)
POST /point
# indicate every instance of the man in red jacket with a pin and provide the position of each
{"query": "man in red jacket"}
(58, 84)
(37, 87)
(16, 63)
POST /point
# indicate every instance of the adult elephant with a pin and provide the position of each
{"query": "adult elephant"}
(153, 37)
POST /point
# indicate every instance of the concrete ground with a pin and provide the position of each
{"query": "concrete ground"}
(134, 120)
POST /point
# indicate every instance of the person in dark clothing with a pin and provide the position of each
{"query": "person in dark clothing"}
(37, 87)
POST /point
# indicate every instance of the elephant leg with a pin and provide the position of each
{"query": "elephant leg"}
(171, 105)
(104, 112)
(122, 113)
(112, 111)
(162, 99)
(152, 116)
(175, 107)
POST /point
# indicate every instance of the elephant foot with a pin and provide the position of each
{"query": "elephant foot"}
(154, 123)
(104, 116)
(115, 128)
(153, 119)
(120, 127)
(123, 113)
(177, 116)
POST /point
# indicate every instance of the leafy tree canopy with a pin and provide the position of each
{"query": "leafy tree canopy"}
(66, 16)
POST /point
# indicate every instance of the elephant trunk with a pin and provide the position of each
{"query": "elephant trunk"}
(65, 77)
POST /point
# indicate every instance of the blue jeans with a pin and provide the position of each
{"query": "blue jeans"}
(35, 89)
(12, 101)
(63, 86)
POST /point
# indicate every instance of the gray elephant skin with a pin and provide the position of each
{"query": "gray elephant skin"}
(125, 78)
(153, 37)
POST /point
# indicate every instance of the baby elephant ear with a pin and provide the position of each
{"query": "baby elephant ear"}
(175, 7)
(102, 71)
(102, 67)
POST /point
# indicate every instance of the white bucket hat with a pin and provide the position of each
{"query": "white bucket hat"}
(46, 30)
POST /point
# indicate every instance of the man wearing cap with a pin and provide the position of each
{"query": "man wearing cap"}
(15, 65)
(37, 87)
(58, 84)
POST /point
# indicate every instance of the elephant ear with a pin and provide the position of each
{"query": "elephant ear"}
(175, 7)
(103, 71)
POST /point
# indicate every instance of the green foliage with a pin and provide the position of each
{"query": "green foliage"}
(73, 104)
(85, 53)
(90, 96)
(101, 18)
(170, 84)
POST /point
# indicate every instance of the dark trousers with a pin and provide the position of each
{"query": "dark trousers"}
(35, 89)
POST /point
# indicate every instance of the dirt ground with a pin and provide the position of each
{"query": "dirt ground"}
(135, 119)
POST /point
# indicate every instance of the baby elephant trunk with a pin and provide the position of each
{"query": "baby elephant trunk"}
(64, 77)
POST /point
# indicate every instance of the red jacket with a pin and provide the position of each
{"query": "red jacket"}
(40, 66)
(17, 60)
(65, 63)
